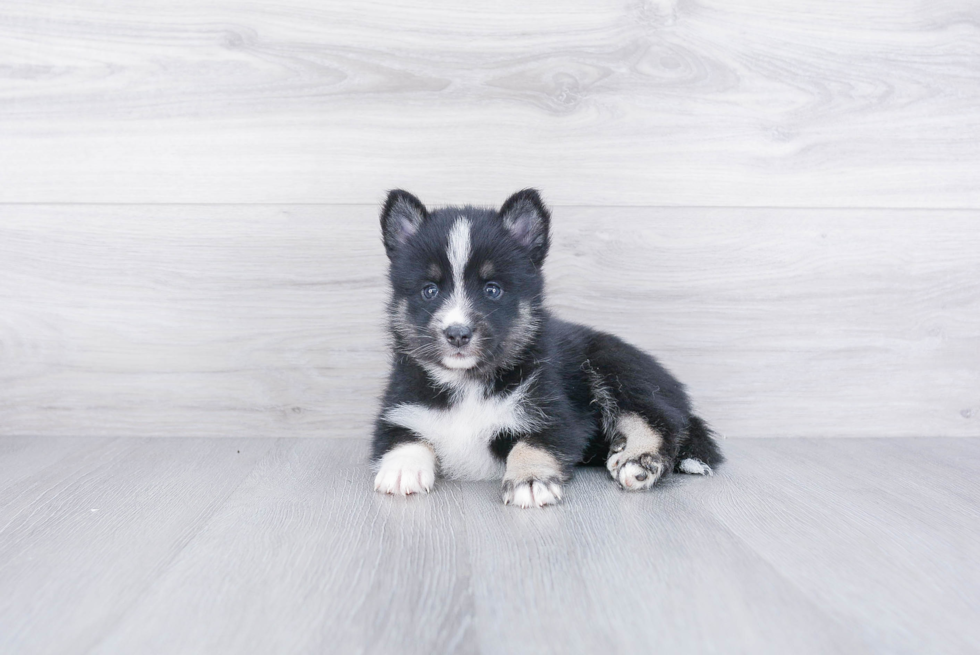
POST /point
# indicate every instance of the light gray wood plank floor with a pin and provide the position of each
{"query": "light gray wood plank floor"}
(160, 545)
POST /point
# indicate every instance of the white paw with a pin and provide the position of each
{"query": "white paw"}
(531, 493)
(693, 466)
(407, 469)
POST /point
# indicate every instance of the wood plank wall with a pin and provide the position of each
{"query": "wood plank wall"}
(782, 201)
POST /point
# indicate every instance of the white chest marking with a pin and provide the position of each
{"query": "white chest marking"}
(461, 434)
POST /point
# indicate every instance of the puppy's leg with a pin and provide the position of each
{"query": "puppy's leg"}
(533, 477)
(408, 468)
(637, 455)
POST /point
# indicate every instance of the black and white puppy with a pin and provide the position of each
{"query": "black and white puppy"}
(486, 384)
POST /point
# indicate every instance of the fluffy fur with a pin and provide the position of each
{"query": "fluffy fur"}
(487, 384)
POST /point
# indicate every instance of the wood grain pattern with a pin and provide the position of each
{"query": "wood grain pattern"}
(613, 570)
(867, 104)
(83, 538)
(847, 501)
(267, 321)
(23, 457)
(795, 545)
(316, 562)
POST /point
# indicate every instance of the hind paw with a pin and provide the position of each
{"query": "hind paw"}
(635, 471)
(635, 460)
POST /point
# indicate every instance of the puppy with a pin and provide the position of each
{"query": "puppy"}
(486, 384)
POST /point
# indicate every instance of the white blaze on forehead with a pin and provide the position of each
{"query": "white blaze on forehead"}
(456, 309)
(458, 250)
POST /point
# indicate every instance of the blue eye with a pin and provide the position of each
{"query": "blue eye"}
(492, 290)
(430, 291)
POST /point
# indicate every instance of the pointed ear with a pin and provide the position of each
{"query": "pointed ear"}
(528, 220)
(401, 217)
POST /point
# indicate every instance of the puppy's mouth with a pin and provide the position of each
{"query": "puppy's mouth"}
(460, 361)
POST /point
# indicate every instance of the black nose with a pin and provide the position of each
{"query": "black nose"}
(458, 335)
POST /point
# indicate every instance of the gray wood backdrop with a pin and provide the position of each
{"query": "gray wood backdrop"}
(781, 200)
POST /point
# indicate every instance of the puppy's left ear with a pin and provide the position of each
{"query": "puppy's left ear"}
(528, 220)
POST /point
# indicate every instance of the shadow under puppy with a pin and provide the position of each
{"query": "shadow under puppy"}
(487, 384)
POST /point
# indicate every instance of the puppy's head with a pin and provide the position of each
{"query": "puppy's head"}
(466, 282)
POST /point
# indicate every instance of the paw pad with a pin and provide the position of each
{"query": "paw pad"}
(635, 473)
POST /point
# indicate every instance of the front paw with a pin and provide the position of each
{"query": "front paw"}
(531, 493)
(407, 469)
(533, 477)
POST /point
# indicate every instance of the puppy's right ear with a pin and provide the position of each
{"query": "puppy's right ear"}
(401, 217)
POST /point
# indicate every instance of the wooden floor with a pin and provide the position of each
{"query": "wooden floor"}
(279, 545)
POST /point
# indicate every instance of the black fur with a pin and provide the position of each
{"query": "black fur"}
(582, 380)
